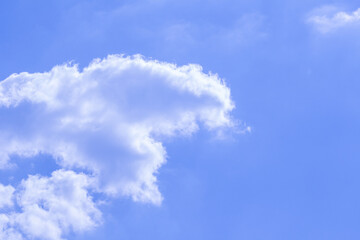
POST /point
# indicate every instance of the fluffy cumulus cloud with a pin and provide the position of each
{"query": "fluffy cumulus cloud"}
(51, 206)
(107, 120)
(328, 19)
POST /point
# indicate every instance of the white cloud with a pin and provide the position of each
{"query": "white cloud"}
(53, 206)
(7, 231)
(50, 207)
(326, 20)
(6, 196)
(109, 120)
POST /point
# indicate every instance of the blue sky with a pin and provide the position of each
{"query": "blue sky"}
(292, 68)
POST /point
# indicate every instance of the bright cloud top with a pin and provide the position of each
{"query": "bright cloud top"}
(325, 23)
(108, 120)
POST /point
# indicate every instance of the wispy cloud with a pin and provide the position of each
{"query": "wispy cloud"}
(325, 20)
(243, 31)
(107, 120)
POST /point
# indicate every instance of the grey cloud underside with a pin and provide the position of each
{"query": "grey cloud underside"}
(108, 119)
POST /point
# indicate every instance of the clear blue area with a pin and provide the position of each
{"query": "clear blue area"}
(295, 176)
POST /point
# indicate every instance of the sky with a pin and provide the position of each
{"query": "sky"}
(165, 119)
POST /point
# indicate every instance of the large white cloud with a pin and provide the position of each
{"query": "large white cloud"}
(108, 120)
(327, 19)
